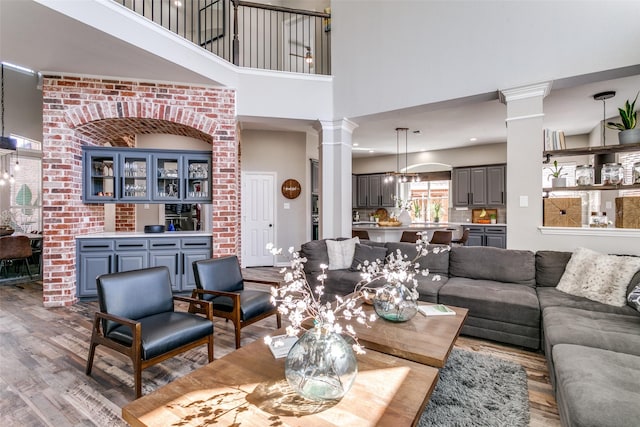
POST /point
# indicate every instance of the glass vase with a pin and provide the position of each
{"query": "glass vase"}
(395, 302)
(321, 365)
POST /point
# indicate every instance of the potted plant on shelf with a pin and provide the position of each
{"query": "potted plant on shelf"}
(436, 212)
(493, 218)
(557, 175)
(629, 133)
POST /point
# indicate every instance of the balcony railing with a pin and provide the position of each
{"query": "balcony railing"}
(247, 34)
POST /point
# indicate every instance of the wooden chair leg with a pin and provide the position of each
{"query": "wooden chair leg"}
(92, 352)
(278, 320)
(137, 377)
(237, 327)
(210, 348)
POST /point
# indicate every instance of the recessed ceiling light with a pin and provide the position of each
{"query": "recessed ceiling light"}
(355, 144)
(371, 151)
(474, 139)
(177, 3)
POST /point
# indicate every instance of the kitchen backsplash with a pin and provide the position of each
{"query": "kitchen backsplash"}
(465, 216)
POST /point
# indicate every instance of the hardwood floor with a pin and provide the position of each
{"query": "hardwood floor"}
(43, 355)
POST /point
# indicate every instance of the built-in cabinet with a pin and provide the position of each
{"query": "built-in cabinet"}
(495, 236)
(480, 186)
(130, 175)
(373, 192)
(102, 256)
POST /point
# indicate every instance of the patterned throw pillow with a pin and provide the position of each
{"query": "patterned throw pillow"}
(634, 298)
(341, 253)
(599, 277)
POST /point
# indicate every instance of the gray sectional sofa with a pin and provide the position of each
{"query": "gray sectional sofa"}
(593, 349)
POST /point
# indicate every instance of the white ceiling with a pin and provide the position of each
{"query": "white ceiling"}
(33, 36)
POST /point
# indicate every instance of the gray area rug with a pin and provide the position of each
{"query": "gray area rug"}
(478, 390)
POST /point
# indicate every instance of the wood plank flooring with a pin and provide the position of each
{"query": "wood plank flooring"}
(43, 355)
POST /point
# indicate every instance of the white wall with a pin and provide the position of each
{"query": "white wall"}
(396, 54)
(22, 105)
(285, 154)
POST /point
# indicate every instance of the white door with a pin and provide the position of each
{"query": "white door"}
(258, 218)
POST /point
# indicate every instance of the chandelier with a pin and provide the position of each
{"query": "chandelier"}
(405, 176)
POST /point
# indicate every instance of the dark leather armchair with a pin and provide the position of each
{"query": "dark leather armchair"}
(137, 319)
(220, 281)
(15, 248)
(441, 237)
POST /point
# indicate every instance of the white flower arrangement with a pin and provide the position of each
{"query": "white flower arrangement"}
(300, 303)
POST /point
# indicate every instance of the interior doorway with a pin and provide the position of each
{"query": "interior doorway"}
(258, 218)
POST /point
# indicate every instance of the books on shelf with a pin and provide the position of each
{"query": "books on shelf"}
(436, 310)
(281, 344)
(554, 140)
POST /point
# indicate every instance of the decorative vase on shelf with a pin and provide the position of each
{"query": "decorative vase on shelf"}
(558, 182)
(629, 136)
(395, 302)
(321, 365)
(404, 217)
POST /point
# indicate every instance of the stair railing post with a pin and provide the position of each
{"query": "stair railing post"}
(236, 41)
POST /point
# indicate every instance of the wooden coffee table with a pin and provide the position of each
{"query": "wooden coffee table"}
(248, 388)
(423, 339)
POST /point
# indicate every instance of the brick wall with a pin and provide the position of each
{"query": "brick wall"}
(87, 110)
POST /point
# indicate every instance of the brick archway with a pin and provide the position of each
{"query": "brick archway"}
(81, 111)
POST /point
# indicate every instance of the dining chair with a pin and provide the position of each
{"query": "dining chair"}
(137, 318)
(14, 249)
(220, 281)
(463, 239)
(441, 237)
(410, 236)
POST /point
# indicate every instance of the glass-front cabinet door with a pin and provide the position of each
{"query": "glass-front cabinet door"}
(134, 182)
(167, 183)
(101, 170)
(197, 178)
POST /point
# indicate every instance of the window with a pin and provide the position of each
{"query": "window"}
(425, 196)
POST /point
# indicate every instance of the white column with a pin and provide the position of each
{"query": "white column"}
(335, 178)
(524, 162)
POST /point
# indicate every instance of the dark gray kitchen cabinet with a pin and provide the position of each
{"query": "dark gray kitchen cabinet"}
(480, 186)
(315, 177)
(496, 185)
(363, 191)
(165, 252)
(95, 257)
(373, 192)
(495, 236)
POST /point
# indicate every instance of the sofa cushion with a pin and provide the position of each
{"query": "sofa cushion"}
(598, 277)
(487, 263)
(596, 387)
(550, 267)
(436, 263)
(365, 254)
(550, 297)
(341, 253)
(315, 252)
(428, 288)
(505, 302)
(608, 331)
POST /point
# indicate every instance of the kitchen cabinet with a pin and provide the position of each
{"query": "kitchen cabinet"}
(103, 256)
(354, 191)
(479, 186)
(315, 177)
(130, 175)
(373, 192)
(495, 236)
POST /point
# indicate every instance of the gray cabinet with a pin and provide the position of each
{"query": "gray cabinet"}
(373, 192)
(480, 186)
(130, 175)
(315, 177)
(354, 191)
(95, 257)
(495, 236)
(102, 256)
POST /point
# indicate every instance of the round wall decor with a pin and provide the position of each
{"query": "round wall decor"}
(291, 189)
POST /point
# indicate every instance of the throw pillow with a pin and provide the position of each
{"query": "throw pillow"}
(634, 298)
(599, 277)
(367, 253)
(341, 253)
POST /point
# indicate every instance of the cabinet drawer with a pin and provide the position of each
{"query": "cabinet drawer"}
(495, 230)
(196, 242)
(163, 244)
(475, 229)
(94, 245)
(131, 244)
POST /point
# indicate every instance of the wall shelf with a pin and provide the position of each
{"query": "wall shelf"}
(592, 150)
(592, 188)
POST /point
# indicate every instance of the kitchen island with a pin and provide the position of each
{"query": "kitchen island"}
(393, 234)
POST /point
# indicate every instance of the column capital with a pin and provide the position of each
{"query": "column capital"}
(344, 124)
(524, 92)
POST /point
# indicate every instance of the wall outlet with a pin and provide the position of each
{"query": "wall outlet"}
(524, 201)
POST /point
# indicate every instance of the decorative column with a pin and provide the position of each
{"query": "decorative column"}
(524, 162)
(335, 178)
